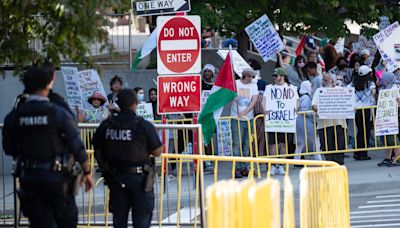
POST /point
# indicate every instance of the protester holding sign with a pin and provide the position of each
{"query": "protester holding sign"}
(388, 85)
(330, 131)
(365, 91)
(242, 107)
(281, 103)
(98, 113)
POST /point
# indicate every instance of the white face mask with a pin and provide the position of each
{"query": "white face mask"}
(301, 65)
(141, 97)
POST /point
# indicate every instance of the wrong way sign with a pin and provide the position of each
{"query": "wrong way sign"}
(178, 45)
(178, 94)
(158, 7)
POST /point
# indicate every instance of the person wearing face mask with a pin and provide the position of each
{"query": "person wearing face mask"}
(293, 73)
(365, 91)
(388, 82)
(326, 128)
(365, 57)
(343, 69)
(140, 94)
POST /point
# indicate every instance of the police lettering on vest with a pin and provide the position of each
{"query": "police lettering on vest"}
(33, 120)
(119, 135)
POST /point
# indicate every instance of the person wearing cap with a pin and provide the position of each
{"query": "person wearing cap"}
(365, 92)
(124, 145)
(242, 112)
(43, 139)
(364, 55)
(98, 113)
(330, 131)
(115, 86)
(279, 141)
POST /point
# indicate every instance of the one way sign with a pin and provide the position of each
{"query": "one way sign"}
(158, 7)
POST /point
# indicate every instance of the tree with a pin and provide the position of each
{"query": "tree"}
(327, 17)
(66, 29)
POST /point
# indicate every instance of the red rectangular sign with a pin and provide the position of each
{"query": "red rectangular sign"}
(178, 94)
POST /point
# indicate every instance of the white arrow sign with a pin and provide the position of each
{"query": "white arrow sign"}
(159, 5)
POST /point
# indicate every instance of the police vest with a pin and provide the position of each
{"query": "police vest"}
(123, 143)
(38, 136)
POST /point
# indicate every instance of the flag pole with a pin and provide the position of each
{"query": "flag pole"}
(233, 76)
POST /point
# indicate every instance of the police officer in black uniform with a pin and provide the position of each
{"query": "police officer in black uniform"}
(124, 145)
(43, 139)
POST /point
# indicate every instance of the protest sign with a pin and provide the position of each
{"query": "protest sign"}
(383, 22)
(239, 64)
(339, 46)
(386, 122)
(264, 36)
(364, 43)
(336, 103)
(387, 42)
(204, 97)
(224, 138)
(89, 82)
(145, 110)
(73, 90)
(281, 104)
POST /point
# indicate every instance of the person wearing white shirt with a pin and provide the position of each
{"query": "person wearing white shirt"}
(242, 107)
(330, 131)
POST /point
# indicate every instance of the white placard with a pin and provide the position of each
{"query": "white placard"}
(386, 122)
(281, 102)
(71, 83)
(264, 36)
(145, 110)
(204, 97)
(89, 82)
(224, 138)
(336, 103)
(364, 43)
(239, 64)
(339, 46)
(388, 41)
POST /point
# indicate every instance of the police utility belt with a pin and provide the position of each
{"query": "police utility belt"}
(128, 169)
(59, 164)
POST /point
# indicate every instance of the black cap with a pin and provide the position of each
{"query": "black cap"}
(126, 98)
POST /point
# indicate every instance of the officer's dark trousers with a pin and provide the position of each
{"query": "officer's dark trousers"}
(44, 202)
(132, 196)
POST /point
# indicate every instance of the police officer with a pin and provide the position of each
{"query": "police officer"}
(44, 140)
(123, 146)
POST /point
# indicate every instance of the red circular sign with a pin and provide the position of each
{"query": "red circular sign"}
(178, 44)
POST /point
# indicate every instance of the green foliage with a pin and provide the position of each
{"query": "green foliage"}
(64, 29)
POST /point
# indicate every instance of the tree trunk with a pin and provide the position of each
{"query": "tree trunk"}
(243, 43)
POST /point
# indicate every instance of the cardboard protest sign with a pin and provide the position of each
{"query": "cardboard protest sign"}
(204, 97)
(90, 82)
(239, 64)
(386, 122)
(281, 104)
(145, 110)
(336, 103)
(388, 43)
(71, 83)
(364, 43)
(264, 36)
(224, 138)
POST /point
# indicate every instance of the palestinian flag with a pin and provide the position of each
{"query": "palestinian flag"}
(222, 92)
(149, 45)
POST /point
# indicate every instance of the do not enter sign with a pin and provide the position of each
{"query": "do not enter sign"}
(178, 94)
(178, 45)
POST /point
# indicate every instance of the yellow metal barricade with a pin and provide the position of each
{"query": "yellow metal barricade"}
(324, 197)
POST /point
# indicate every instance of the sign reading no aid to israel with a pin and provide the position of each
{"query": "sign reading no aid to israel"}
(178, 45)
